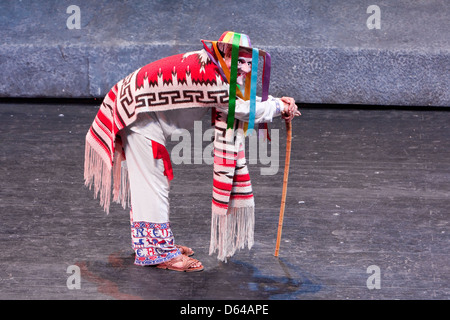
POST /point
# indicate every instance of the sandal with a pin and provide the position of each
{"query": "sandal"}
(185, 250)
(186, 267)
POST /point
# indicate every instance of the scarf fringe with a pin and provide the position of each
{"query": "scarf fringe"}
(232, 231)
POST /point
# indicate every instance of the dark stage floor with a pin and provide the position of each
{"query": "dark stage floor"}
(369, 189)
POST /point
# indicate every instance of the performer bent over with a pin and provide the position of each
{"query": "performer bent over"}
(128, 137)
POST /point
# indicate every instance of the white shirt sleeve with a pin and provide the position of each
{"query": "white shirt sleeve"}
(265, 111)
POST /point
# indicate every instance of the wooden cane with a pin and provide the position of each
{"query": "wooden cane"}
(285, 181)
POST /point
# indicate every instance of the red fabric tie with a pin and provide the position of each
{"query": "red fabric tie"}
(160, 152)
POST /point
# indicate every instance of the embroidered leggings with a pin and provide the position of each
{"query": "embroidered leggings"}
(151, 235)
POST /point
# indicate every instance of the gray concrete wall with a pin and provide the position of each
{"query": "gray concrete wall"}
(322, 50)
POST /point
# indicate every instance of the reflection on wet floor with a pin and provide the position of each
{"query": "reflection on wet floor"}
(119, 278)
(289, 286)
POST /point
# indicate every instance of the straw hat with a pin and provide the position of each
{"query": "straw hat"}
(226, 40)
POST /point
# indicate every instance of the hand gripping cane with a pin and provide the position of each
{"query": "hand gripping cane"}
(285, 180)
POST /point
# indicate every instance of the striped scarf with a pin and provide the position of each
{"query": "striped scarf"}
(233, 220)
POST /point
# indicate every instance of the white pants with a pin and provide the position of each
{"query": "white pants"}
(148, 185)
(151, 234)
